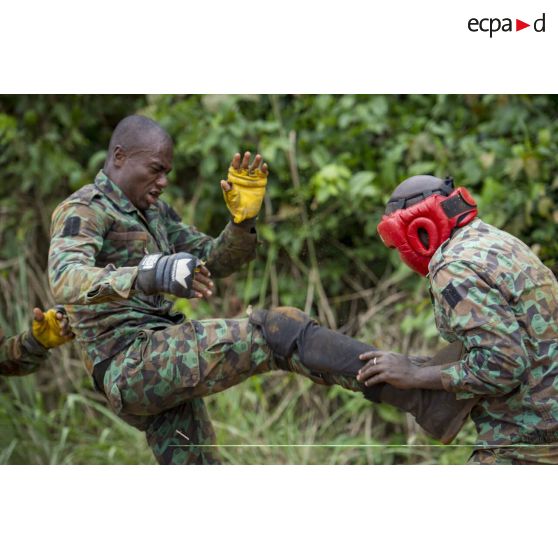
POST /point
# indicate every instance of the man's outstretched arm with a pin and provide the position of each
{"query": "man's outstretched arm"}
(24, 353)
(243, 191)
(475, 312)
(20, 354)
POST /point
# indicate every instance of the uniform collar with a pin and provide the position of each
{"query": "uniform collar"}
(114, 193)
(438, 256)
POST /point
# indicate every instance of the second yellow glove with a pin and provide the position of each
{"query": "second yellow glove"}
(47, 332)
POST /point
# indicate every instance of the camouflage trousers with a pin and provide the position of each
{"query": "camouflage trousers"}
(158, 383)
(545, 454)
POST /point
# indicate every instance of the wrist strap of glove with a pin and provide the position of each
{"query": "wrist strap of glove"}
(249, 225)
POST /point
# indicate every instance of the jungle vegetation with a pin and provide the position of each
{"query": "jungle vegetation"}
(334, 161)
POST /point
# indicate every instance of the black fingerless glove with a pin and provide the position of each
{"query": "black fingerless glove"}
(172, 274)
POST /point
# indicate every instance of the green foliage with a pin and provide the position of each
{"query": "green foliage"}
(334, 161)
(72, 429)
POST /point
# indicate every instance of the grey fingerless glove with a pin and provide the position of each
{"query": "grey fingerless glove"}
(172, 274)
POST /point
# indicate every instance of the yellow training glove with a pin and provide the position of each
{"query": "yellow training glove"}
(48, 332)
(244, 199)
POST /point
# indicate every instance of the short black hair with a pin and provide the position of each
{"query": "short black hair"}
(136, 131)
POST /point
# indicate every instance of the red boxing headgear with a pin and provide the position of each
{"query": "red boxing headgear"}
(437, 215)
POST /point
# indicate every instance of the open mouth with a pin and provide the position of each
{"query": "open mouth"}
(153, 196)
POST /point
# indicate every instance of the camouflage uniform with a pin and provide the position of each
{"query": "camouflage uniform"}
(157, 365)
(20, 355)
(490, 291)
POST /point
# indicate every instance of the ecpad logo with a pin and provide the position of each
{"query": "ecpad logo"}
(494, 24)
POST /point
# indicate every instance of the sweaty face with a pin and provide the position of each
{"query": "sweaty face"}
(143, 174)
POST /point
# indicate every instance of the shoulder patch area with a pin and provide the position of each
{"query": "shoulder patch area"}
(452, 296)
(84, 195)
(71, 226)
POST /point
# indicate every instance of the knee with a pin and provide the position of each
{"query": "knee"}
(290, 313)
(281, 327)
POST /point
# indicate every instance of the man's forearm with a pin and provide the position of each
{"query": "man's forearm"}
(20, 355)
(82, 284)
(429, 377)
(234, 247)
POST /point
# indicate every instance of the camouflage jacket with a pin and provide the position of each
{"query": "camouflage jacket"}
(98, 238)
(20, 355)
(490, 291)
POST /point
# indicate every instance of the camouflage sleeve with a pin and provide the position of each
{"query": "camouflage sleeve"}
(235, 246)
(20, 355)
(471, 308)
(77, 233)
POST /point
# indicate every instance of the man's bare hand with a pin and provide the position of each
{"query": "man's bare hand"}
(202, 285)
(391, 368)
(399, 371)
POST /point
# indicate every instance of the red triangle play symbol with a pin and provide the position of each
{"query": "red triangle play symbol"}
(519, 25)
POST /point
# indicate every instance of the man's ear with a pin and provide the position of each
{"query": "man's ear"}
(118, 156)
